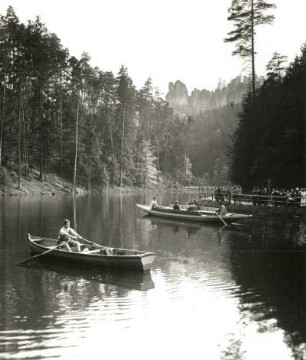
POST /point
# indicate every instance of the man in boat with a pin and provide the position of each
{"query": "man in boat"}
(154, 203)
(67, 236)
(192, 206)
(176, 206)
(196, 204)
(222, 211)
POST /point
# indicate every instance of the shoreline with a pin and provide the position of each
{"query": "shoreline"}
(57, 185)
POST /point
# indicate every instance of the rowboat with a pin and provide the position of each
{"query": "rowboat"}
(95, 254)
(206, 215)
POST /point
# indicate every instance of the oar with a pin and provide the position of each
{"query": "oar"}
(221, 219)
(93, 243)
(36, 256)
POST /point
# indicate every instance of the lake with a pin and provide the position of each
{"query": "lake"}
(213, 293)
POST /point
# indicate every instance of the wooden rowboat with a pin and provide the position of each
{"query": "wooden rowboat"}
(206, 215)
(95, 254)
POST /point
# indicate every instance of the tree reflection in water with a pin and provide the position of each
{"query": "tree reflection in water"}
(272, 268)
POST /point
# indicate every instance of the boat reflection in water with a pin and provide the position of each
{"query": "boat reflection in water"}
(193, 228)
(125, 279)
(190, 227)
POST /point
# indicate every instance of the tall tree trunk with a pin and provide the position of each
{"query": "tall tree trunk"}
(60, 115)
(110, 130)
(253, 47)
(25, 146)
(61, 135)
(41, 157)
(45, 168)
(41, 136)
(75, 225)
(2, 118)
(89, 175)
(122, 146)
(19, 135)
(76, 146)
(184, 170)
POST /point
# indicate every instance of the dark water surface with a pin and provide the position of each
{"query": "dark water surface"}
(213, 292)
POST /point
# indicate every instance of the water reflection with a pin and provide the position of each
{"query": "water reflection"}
(176, 225)
(236, 289)
(80, 272)
(271, 272)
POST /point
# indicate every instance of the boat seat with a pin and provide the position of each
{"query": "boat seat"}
(106, 251)
(86, 251)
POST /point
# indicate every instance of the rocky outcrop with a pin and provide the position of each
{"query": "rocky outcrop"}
(201, 100)
(178, 94)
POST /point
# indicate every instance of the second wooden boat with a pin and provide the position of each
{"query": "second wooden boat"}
(199, 215)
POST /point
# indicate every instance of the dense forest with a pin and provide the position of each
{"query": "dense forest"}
(59, 114)
(269, 145)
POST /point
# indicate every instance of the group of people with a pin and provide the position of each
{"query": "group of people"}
(224, 194)
(193, 205)
(277, 197)
(259, 196)
(227, 194)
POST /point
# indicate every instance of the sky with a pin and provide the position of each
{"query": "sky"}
(167, 40)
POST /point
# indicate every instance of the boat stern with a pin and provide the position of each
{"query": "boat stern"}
(147, 261)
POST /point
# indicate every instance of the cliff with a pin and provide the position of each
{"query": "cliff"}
(201, 100)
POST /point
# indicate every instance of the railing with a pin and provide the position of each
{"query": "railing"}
(259, 199)
(235, 196)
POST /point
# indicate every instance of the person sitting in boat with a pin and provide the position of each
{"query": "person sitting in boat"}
(176, 206)
(222, 211)
(196, 204)
(67, 236)
(192, 206)
(154, 203)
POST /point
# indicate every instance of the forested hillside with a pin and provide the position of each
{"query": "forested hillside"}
(60, 114)
(270, 142)
(213, 117)
(210, 139)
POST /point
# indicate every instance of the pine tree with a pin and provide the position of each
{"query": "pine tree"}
(146, 164)
(275, 67)
(125, 116)
(246, 16)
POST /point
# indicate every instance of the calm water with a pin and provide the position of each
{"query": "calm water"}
(213, 293)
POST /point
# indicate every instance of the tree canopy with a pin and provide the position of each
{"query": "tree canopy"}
(246, 16)
(58, 113)
(269, 145)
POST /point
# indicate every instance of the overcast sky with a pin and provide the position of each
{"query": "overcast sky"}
(166, 40)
